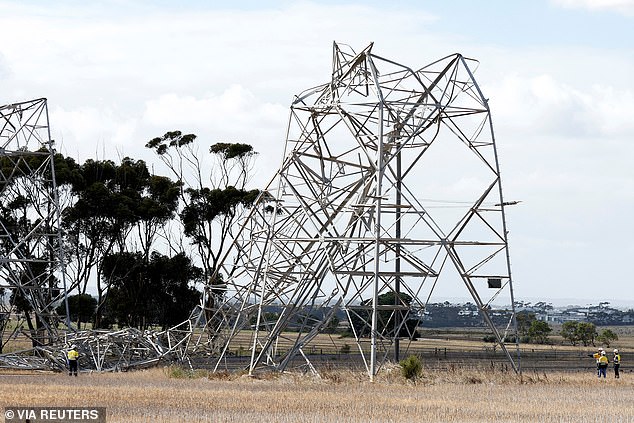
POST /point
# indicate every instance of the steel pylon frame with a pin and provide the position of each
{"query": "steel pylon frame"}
(32, 272)
(354, 214)
(32, 263)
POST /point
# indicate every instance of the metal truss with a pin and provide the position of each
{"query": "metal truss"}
(111, 350)
(32, 278)
(390, 184)
(106, 351)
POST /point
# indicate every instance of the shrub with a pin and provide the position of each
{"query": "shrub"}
(538, 331)
(411, 368)
(345, 349)
(607, 336)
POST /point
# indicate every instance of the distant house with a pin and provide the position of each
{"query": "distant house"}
(468, 313)
(628, 319)
(561, 316)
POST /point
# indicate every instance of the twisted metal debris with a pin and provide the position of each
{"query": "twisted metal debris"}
(107, 350)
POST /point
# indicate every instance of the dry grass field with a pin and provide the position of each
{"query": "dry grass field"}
(156, 395)
(460, 384)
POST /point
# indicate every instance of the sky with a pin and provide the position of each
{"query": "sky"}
(558, 75)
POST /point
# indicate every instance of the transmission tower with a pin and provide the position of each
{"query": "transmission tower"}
(390, 189)
(32, 281)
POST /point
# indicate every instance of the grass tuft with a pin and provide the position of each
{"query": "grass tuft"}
(179, 372)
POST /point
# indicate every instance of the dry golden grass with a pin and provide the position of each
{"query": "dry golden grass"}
(337, 396)
(459, 395)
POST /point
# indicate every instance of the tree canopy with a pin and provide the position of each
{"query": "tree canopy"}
(146, 293)
(387, 320)
(576, 332)
(538, 331)
(144, 239)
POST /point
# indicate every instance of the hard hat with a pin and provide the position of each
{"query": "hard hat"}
(72, 347)
(602, 352)
(600, 349)
(615, 350)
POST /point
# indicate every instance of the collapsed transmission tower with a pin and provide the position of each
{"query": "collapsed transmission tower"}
(389, 191)
(32, 279)
(32, 272)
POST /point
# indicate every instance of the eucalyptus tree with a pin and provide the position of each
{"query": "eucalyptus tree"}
(96, 223)
(146, 292)
(81, 307)
(211, 196)
(119, 207)
(89, 223)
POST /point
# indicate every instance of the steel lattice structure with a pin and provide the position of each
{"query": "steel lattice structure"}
(353, 217)
(107, 350)
(31, 254)
(354, 214)
(32, 263)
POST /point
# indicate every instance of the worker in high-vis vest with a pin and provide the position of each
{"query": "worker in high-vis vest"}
(597, 356)
(617, 363)
(72, 356)
(603, 365)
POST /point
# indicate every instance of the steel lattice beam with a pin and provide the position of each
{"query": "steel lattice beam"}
(31, 254)
(351, 214)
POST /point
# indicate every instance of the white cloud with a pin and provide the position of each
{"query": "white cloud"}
(231, 107)
(625, 7)
(542, 104)
(191, 51)
(614, 109)
(100, 131)
(565, 151)
(5, 71)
